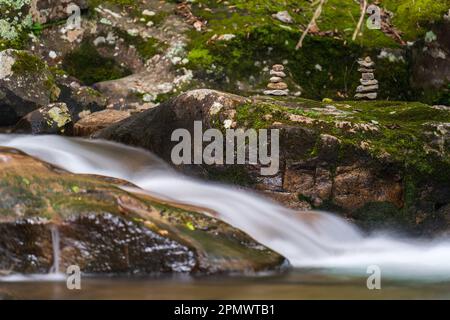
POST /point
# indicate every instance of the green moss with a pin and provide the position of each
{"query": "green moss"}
(254, 116)
(27, 63)
(86, 64)
(414, 17)
(200, 58)
(146, 48)
(400, 135)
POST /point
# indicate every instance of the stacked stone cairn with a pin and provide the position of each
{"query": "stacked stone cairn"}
(368, 90)
(276, 86)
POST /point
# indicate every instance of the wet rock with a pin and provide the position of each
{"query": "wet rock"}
(97, 121)
(54, 118)
(25, 85)
(106, 230)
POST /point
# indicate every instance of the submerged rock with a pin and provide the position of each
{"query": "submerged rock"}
(104, 229)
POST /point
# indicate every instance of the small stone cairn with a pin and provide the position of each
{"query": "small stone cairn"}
(368, 89)
(276, 86)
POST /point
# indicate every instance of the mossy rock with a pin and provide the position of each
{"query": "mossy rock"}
(26, 83)
(104, 229)
(339, 155)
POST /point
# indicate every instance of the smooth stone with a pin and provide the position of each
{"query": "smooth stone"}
(277, 86)
(368, 76)
(370, 96)
(362, 89)
(369, 82)
(280, 74)
(276, 92)
(366, 70)
(283, 16)
(276, 79)
(278, 67)
(366, 64)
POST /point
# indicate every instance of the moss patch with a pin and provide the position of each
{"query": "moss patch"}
(27, 63)
(86, 64)
(146, 48)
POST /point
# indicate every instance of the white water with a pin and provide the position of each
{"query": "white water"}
(315, 240)
(56, 250)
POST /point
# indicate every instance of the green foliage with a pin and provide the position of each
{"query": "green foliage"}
(86, 64)
(200, 58)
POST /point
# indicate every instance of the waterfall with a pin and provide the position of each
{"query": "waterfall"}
(310, 240)
(56, 250)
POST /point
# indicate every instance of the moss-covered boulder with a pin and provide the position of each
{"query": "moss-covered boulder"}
(343, 156)
(26, 83)
(104, 229)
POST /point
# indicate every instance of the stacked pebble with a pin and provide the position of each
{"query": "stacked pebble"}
(369, 85)
(277, 87)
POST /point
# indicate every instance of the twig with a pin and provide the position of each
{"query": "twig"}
(316, 15)
(361, 19)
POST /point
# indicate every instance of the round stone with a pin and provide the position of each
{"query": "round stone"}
(278, 67)
(276, 79)
(362, 89)
(369, 82)
(369, 96)
(277, 86)
(280, 74)
(368, 76)
(276, 92)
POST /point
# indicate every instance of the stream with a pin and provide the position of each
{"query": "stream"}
(329, 255)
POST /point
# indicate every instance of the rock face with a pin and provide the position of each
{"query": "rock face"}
(25, 85)
(54, 118)
(327, 156)
(104, 229)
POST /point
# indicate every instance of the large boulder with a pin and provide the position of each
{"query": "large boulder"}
(25, 85)
(103, 229)
(387, 158)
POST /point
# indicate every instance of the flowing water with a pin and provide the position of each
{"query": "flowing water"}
(311, 241)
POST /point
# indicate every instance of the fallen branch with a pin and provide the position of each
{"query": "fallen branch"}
(316, 15)
(361, 20)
